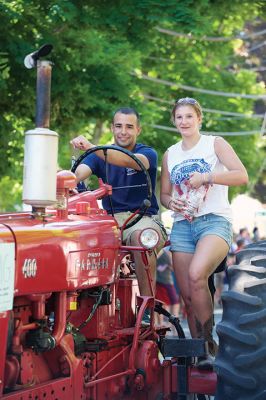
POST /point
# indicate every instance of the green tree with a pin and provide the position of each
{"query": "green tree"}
(206, 63)
(97, 46)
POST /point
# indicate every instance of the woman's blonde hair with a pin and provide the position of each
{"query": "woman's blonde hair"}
(184, 102)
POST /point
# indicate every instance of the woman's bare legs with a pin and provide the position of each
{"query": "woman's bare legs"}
(192, 273)
(181, 263)
(210, 251)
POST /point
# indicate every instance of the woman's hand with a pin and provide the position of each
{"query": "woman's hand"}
(196, 180)
(176, 205)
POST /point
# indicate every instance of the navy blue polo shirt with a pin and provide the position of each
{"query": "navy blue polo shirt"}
(127, 199)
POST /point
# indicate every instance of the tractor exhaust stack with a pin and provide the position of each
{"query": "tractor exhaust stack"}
(41, 144)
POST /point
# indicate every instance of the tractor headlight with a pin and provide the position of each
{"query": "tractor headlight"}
(149, 238)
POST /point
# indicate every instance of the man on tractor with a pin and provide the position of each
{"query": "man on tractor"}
(125, 173)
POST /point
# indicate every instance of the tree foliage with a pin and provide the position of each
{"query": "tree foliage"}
(97, 47)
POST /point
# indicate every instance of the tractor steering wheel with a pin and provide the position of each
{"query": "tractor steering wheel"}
(146, 202)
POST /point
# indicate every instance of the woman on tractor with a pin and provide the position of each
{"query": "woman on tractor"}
(196, 173)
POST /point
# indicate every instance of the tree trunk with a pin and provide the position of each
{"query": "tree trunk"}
(97, 132)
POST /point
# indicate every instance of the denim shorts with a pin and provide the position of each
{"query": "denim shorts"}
(185, 234)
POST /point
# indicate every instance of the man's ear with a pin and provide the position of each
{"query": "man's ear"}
(138, 130)
(112, 127)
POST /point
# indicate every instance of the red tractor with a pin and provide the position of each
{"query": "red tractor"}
(70, 310)
(71, 315)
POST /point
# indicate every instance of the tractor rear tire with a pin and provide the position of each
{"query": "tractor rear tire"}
(240, 363)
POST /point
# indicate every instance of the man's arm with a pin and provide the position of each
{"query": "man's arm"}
(113, 156)
(83, 172)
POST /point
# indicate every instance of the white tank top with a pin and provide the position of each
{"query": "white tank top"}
(201, 158)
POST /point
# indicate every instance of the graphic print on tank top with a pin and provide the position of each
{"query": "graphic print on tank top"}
(182, 190)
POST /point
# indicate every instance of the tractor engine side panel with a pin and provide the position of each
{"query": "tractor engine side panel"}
(65, 255)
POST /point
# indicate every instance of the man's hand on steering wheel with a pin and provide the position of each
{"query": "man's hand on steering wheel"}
(84, 142)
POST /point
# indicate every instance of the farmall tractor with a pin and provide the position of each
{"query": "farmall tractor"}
(70, 310)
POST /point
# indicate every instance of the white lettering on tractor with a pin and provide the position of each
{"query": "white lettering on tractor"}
(91, 263)
(29, 268)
